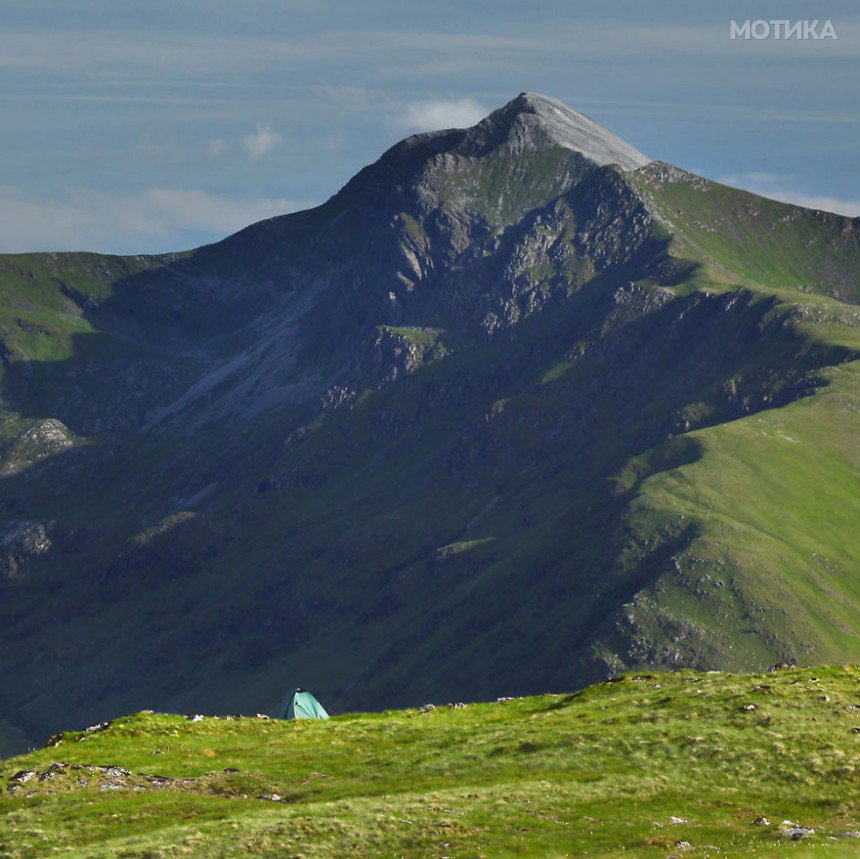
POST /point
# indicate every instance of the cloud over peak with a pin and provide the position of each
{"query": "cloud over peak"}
(438, 113)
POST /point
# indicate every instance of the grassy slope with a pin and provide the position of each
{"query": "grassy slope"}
(753, 240)
(775, 496)
(42, 315)
(38, 291)
(597, 772)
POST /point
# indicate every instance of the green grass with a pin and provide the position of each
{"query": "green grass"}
(598, 772)
(745, 238)
(770, 571)
(44, 298)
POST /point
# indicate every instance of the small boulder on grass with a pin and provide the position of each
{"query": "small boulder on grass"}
(794, 831)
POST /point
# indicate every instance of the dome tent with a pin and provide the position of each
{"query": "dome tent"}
(299, 704)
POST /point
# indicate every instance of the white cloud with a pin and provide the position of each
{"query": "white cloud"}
(217, 148)
(439, 113)
(154, 219)
(781, 187)
(261, 142)
(255, 145)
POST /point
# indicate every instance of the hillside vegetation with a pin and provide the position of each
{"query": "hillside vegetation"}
(679, 764)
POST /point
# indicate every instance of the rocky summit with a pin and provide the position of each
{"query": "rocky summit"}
(535, 120)
(516, 409)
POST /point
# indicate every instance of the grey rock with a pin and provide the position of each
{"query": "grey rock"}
(796, 833)
(538, 117)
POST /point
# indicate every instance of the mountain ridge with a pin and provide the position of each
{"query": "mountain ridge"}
(487, 387)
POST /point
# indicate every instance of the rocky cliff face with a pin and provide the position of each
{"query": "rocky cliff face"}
(487, 421)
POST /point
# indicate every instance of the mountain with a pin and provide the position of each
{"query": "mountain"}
(646, 765)
(516, 409)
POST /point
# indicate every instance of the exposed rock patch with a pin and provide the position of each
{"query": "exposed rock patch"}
(19, 542)
(44, 439)
(63, 776)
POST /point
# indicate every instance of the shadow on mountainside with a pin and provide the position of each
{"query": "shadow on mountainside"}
(438, 535)
(324, 556)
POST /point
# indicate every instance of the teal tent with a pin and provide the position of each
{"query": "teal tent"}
(299, 704)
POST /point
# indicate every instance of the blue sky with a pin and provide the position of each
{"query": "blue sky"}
(140, 127)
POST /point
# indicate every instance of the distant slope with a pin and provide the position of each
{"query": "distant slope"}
(12, 741)
(651, 765)
(500, 416)
(744, 238)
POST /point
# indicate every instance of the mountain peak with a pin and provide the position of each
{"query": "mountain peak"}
(531, 115)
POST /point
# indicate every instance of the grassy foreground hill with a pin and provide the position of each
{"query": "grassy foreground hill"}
(683, 764)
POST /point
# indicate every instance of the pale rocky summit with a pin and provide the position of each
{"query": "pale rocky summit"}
(537, 119)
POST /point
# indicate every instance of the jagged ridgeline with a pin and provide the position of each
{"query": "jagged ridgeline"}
(515, 409)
